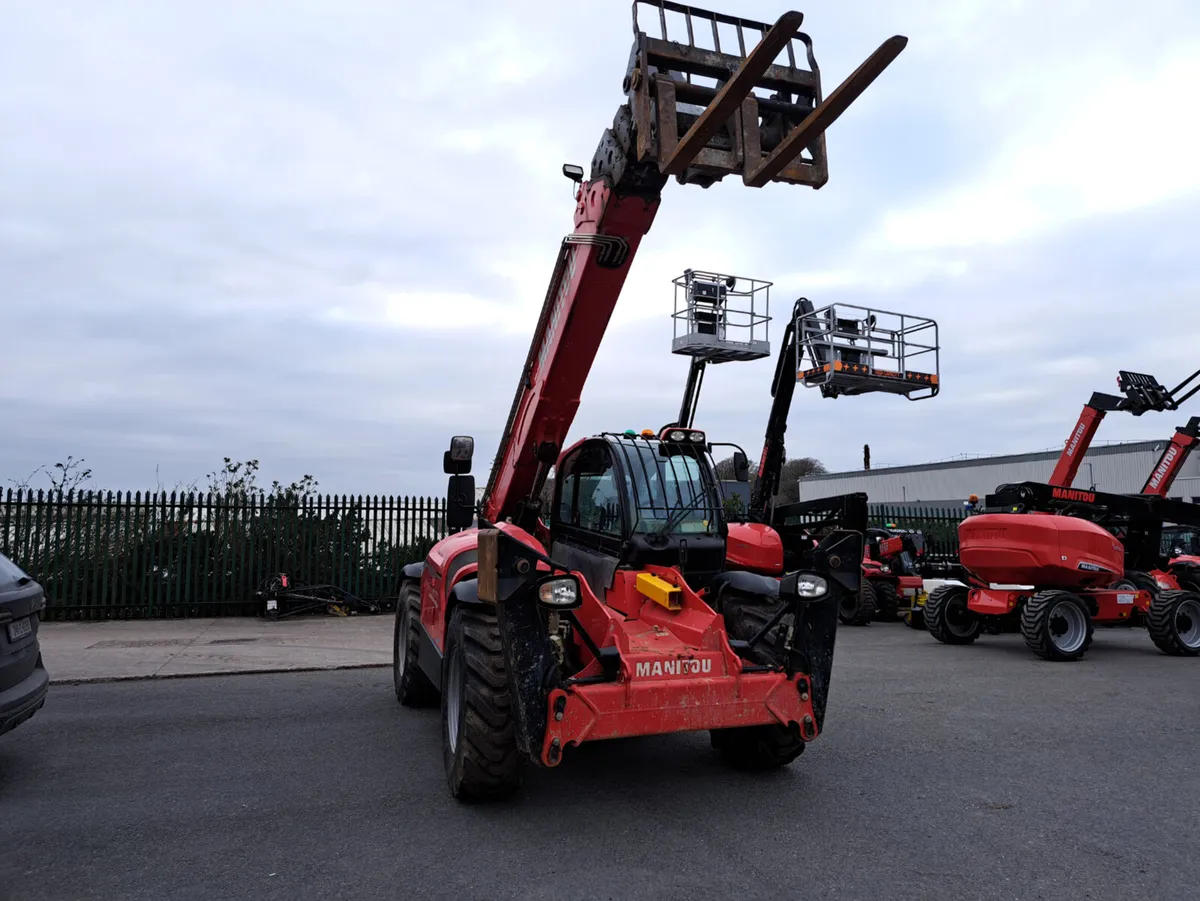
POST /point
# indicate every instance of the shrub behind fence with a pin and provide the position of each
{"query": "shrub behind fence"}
(105, 555)
(120, 556)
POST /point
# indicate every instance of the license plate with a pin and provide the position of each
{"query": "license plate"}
(19, 629)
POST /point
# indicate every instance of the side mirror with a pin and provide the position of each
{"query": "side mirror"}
(741, 467)
(460, 502)
(457, 460)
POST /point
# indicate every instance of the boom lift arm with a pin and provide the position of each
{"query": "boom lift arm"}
(726, 129)
(1170, 464)
(1141, 393)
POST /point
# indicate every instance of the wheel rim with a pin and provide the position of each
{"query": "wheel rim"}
(1067, 626)
(1187, 624)
(402, 643)
(454, 699)
(959, 619)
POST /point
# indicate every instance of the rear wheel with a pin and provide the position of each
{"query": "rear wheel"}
(769, 746)
(858, 609)
(1056, 625)
(1174, 623)
(479, 742)
(948, 618)
(887, 600)
(413, 688)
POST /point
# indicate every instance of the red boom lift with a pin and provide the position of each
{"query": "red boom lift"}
(537, 630)
(1088, 557)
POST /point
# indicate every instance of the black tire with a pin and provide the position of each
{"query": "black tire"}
(769, 746)
(1174, 623)
(857, 609)
(413, 688)
(887, 600)
(758, 748)
(947, 617)
(1057, 625)
(745, 616)
(1143, 582)
(479, 744)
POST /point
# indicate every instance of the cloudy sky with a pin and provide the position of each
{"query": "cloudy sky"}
(318, 234)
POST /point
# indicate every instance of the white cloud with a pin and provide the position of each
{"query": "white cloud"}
(1101, 138)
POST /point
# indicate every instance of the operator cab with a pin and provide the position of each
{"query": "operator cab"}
(631, 499)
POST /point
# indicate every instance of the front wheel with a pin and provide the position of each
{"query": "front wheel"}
(858, 609)
(1174, 623)
(948, 618)
(772, 745)
(1056, 625)
(479, 743)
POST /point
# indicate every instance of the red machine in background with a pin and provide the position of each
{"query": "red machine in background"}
(538, 629)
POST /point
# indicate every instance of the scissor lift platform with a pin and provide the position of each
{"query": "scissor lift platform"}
(850, 349)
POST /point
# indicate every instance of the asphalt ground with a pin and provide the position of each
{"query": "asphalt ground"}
(964, 773)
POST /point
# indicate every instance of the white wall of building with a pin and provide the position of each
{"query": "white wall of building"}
(1117, 468)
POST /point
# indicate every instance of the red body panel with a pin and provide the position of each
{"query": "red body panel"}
(1109, 606)
(755, 547)
(451, 560)
(1039, 549)
(678, 672)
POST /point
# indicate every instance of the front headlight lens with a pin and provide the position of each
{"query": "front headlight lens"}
(810, 586)
(884, 568)
(559, 593)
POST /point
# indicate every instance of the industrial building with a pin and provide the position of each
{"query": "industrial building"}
(1120, 468)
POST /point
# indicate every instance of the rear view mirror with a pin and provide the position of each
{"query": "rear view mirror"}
(457, 460)
(741, 467)
(460, 502)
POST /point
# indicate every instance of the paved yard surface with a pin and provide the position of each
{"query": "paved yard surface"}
(975, 773)
(140, 649)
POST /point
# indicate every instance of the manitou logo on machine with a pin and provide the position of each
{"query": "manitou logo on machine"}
(1076, 437)
(1074, 494)
(680, 667)
(1164, 465)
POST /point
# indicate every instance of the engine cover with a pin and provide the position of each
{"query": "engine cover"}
(1039, 549)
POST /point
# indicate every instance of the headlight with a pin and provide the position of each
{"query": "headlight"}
(677, 435)
(810, 586)
(884, 568)
(559, 592)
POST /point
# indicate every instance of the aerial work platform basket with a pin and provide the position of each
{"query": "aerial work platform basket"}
(721, 318)
(849, 349)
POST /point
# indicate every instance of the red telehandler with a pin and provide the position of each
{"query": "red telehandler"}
(1053, 561)
(842, 349)
(536, 630)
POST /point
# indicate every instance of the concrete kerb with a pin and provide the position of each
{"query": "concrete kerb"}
(88, 680)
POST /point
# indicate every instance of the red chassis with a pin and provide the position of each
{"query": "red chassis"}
(677, 670)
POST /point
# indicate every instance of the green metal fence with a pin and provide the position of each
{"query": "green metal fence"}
(105, 555)
(939, 525)
(157, 554)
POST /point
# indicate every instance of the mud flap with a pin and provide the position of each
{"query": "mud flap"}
(838, 558)
(508, 577)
